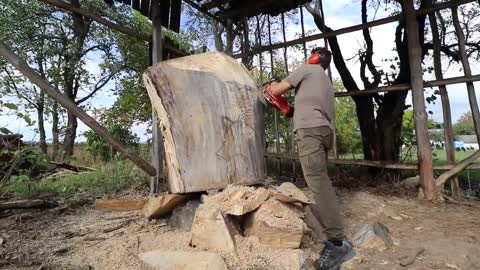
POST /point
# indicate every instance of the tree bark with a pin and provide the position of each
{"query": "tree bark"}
(41, 123)
(70, 135)
(55, 132)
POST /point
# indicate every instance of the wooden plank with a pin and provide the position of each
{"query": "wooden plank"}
(212, 121)
(204, 11)
(164, 12)
(119, 205)
(136, 5)
(378, 164)
(145, 8)
(459, 167)
(350, 29)
(157, 207)
(36, 79)
(406, 87)
(175, 15)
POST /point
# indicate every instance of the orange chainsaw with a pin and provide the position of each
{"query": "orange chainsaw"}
(279, 102)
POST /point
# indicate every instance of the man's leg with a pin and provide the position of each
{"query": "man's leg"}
(313, 144)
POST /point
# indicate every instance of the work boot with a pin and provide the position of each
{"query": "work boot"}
(333, 256)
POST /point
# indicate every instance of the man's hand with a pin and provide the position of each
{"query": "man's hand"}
(277, 89)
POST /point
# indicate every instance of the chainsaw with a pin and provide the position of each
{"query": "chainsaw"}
(279, 102)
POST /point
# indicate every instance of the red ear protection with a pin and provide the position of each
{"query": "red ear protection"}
(314, 59)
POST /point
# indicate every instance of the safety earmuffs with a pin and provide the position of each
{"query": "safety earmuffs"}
(314, 59)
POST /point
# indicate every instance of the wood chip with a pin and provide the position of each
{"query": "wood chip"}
(162, 205)
(410, 259)
(289, 193)
(92, 238)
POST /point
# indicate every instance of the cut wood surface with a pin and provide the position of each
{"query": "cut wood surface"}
(244, 202)
(211, 117)
(162, 205)
(211, 231)
(119, 205)
(289, 193)
(276, 224)
(22, 204)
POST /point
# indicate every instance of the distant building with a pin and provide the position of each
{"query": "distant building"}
(466, 141)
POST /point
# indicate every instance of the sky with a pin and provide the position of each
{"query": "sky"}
(339, 14)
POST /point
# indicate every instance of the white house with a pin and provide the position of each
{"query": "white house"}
(469, 141)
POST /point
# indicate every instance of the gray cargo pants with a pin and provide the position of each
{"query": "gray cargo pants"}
(313, 145)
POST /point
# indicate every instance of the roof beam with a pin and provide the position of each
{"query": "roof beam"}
(204, 11)
(125, 30)
(350, 29)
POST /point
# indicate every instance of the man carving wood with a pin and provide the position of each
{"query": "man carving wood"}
(314, 110)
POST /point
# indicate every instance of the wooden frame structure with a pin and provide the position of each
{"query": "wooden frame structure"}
(167, 13)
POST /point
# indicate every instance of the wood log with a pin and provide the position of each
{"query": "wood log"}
(458, 167)
(22, 204)
(277, 225)
(162, 205)
(120, 205)
(424, 152)
(212, 121)
(211, 231)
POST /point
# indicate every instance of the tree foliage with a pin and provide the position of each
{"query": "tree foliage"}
(464, 125)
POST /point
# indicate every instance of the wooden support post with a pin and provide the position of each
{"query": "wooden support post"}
(303, 34)
(468, 72)
(272, 67)
(424, 150)
(36, 79)
(285, 59)
(447, 116)
(157, 137)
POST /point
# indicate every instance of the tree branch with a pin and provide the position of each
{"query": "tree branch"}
(99, 85)
(368, 57)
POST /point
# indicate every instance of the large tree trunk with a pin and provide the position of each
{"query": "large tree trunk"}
(212, 119)
(55, 132)
(70, 135)
(41, 122)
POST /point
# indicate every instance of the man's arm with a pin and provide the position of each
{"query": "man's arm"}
(277, 89)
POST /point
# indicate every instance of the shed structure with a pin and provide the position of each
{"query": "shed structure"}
(167, 13)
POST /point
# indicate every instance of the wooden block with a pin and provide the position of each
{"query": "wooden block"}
(162, 205)
(119, 205)
(277, 225)
(244, 202)
(183, 260)
(289, 193)
(211, 231)
(211, 117)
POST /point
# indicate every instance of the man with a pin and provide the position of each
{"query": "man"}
(314, 113)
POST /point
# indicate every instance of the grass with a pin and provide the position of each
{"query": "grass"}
(108, 178)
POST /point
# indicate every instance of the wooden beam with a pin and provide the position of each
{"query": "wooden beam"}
(467, 71)
(457, 168)
(66, 6)
(204, 11)
(406, 87)
(378, 164)
(130, 32)
(35, 78)
(175, 15)
(447, 115)
(157, 136)
(145, 8)
(424, 151)
(350, 29)
(215, 4)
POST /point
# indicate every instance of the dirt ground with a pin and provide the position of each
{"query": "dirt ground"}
(84, 238)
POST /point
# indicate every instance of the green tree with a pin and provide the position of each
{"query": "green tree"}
(346, 123)
(464, 125)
